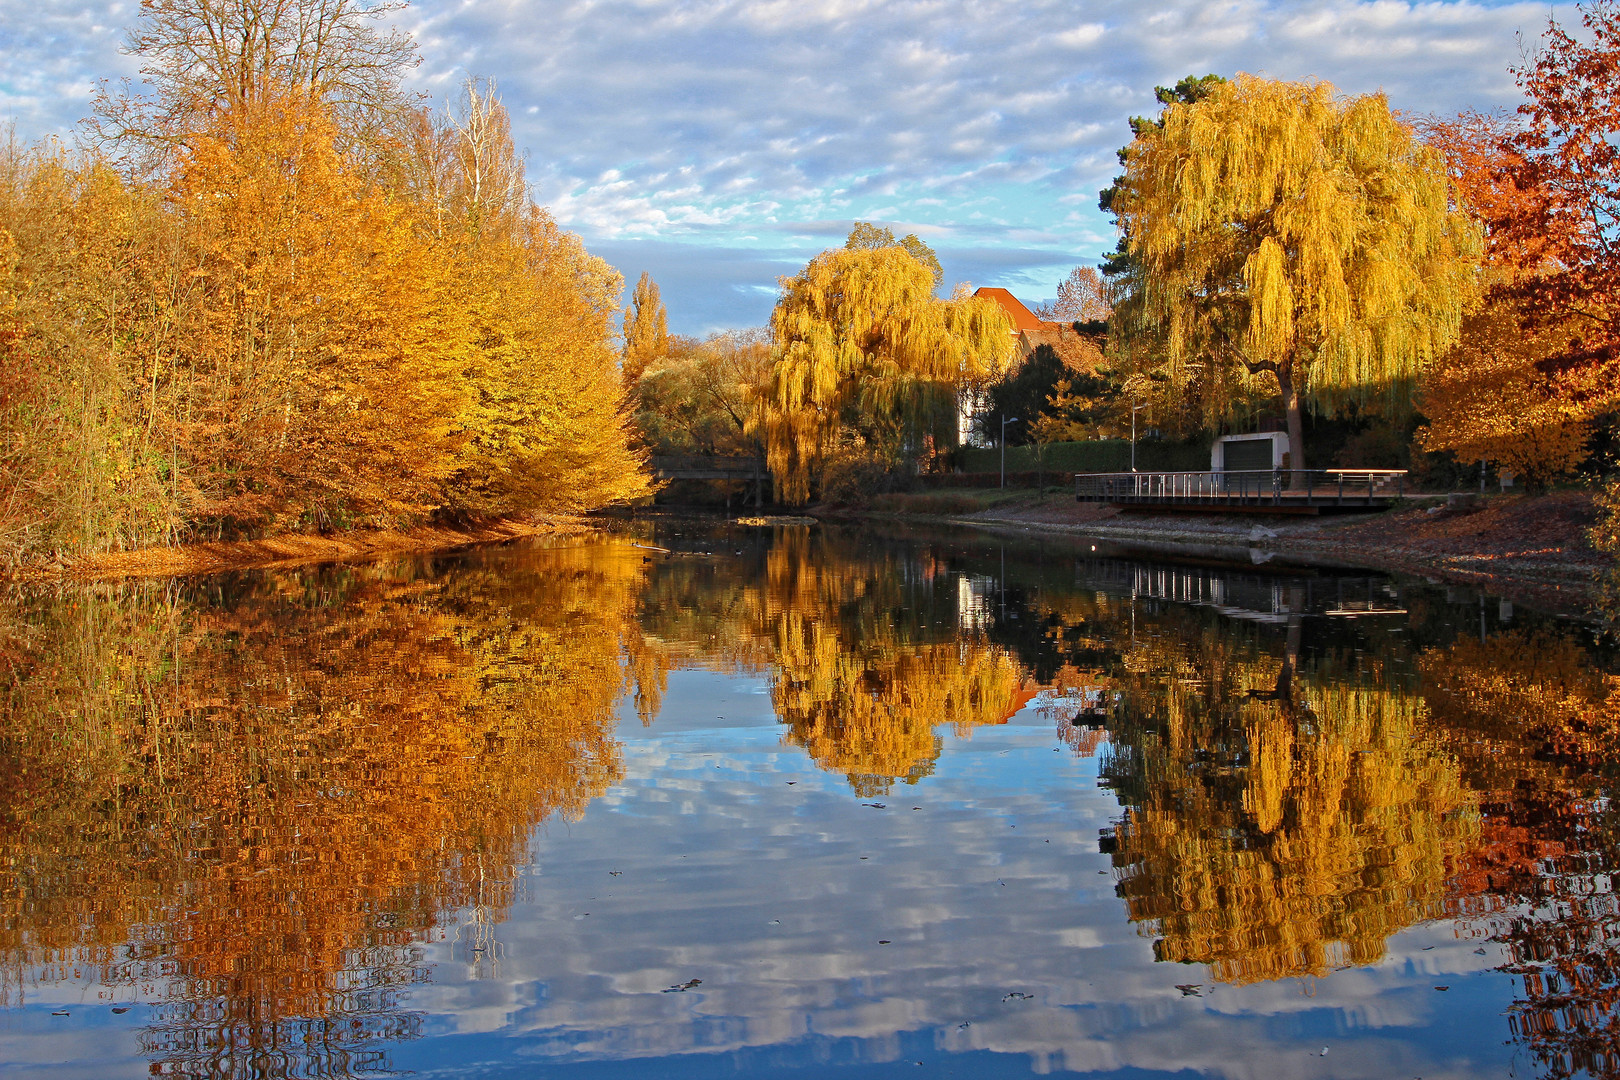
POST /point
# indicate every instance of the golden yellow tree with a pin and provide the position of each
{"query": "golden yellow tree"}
(92, 277)
(646, 329)
(866, 351)
(544, 424)
(1490, 396)
(322, 383)
(1304, 240)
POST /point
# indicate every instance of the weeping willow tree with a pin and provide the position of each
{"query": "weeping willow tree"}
(869, 362)
(1297, 244)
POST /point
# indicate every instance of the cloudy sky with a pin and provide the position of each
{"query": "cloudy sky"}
(721, 143)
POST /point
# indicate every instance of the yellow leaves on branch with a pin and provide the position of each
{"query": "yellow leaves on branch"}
(863, 342)
(1289, 232)
(317, 307)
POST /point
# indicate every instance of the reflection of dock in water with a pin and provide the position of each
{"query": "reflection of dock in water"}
(1266, 598)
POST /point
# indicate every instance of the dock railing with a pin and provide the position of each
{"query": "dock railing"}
(1291, 487)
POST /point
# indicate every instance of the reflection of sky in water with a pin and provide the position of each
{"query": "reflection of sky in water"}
(985, 880)
(729, 907)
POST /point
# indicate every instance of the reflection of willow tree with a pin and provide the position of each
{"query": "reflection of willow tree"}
(254, 801)
(868, 708)
(1531, 715)
(861, 644)
(862, 676)
(1278, 822)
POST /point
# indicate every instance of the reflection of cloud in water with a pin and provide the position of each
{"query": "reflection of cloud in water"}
(762, 893)
(709, 885)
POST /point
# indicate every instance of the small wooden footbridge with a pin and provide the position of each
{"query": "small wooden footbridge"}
(750, 471)
(1256, 491)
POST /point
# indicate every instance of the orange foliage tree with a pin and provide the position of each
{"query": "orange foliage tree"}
(1498, 393)
(1546, 185)
(316, 306)
(287, 299)
(1565, 153)
(1491, 396)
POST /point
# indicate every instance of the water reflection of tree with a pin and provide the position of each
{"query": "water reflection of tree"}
(861, 644)
(1278, 822)
(1285, 809)
(255, 800)
(870, 711)
(1531, 715)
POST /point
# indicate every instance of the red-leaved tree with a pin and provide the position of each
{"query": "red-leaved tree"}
(1564, 156)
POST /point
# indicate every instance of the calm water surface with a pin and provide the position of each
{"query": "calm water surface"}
(802, 802)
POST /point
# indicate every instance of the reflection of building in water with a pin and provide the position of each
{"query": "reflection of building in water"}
(975, 602)
(1077, 704)
(1269, 598)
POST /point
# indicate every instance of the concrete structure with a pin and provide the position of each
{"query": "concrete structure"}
(1239, 453)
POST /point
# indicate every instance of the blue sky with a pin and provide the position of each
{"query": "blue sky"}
(719, 144)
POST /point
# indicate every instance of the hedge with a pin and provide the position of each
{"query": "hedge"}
(1103, 455)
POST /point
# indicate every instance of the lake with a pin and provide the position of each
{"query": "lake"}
(804, 801)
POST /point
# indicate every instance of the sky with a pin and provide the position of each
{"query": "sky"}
(720, 144)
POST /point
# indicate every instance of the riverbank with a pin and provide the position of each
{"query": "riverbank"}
(291, 549)
(1532, 548)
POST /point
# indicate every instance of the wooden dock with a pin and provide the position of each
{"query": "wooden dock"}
(1268, 491)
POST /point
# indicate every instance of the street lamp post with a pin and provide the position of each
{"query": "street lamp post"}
(1005, 420)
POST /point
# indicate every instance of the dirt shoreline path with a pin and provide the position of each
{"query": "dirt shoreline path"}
(291, 549)
(1532, 549)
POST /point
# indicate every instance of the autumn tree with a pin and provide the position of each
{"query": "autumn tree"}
(1568, 158)
(865, 236)
(545, 424)
(1174, 394)
(1082, 297)
(698, 398)
(485, 187)
(1300, 241)
(317, 307)
(1523, 384)
(311, 307)
(869, 361)
(205, 57)
(92, 275)
(646, 329)
(1492, 397)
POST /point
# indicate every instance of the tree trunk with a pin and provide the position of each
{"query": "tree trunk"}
(1297, 479)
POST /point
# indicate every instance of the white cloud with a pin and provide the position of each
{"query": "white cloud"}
(691, 125)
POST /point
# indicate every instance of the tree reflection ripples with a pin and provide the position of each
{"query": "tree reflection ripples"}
(256, 802)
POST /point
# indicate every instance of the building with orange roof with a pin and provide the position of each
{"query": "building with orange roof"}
(1078, 352)
(1022, 318)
